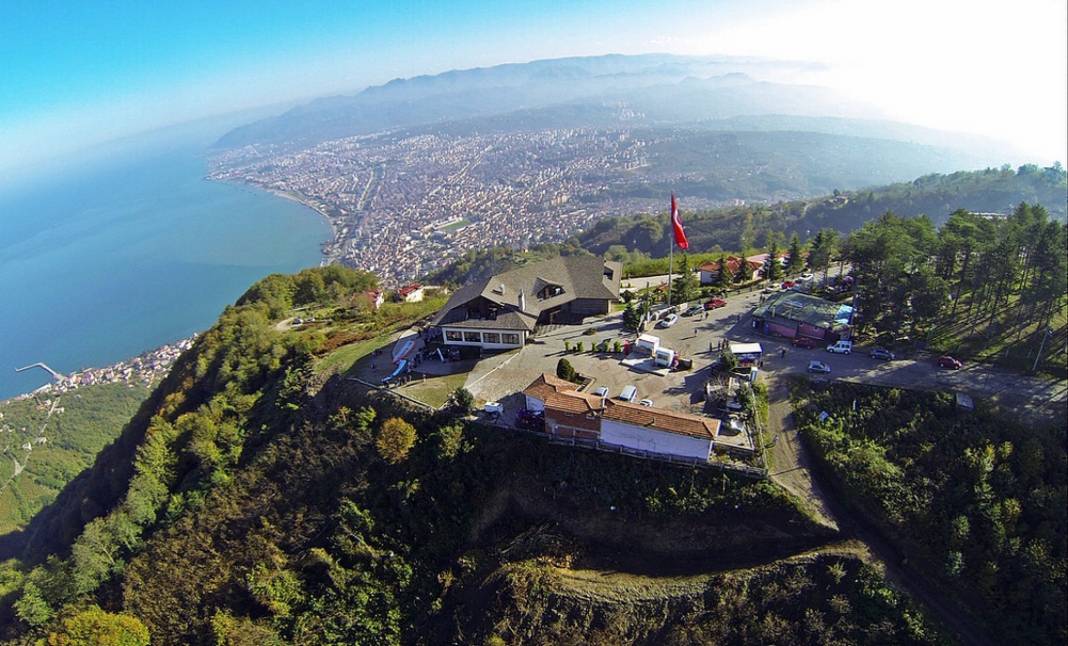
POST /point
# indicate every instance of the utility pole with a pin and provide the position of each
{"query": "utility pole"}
(1038, 357)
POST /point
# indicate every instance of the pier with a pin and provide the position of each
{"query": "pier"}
(56, 376)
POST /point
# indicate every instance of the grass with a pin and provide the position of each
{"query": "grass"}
(342, 359)
(376, 331)
(434, 391)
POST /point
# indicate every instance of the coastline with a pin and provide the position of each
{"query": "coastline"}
(146, 368)
(324, 255)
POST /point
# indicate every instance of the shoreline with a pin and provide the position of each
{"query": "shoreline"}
(146, 368)
(324, 257)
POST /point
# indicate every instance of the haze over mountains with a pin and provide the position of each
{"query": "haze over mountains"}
(653, 90)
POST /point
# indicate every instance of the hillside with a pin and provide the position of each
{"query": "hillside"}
(50, 439)
(985, 191)
(254, 498)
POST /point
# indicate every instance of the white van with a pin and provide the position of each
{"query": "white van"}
(629, 394)
(841, 347)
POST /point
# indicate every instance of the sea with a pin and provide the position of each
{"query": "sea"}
(128, 247)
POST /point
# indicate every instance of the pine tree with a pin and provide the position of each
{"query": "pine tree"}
(683, 286)
(772, 266)
(632, 318)
(723, 278)
(796, 262)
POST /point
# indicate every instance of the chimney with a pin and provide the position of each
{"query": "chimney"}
(522, 301)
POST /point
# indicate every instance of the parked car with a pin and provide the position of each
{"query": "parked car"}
(646, 402)
(770, 289)
(789, 284)
(530, 420)
(600, 391)
(668, 321)
(840, 347)
(629, 394)
(882, 354)
(949, 363)
(805, 342)
(692, 310)
(715, 304)
(818, 366)
(805, 277)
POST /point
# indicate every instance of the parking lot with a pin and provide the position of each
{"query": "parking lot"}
(695, 338)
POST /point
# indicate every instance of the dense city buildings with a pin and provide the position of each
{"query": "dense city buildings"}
(403, 204)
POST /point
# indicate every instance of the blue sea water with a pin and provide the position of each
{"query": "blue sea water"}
(131, 249)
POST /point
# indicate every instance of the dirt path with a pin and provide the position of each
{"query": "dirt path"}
(792, 470)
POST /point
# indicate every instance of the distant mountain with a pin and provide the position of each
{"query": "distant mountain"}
(650, 90)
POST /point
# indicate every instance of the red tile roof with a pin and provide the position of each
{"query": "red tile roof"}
(662, 419)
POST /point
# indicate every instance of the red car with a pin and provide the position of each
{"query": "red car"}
(789, 284)
(715, 303)
(806, 342)
(949, 363)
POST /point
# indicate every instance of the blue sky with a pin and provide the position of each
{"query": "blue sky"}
(73, 74)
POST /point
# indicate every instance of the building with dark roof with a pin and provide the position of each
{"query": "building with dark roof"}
(504, 310)
(793, 314)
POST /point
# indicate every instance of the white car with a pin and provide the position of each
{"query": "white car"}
(818, 366)
(805, 277)
(840, 347)
(668, 321)
(601, 391)
(646, 402)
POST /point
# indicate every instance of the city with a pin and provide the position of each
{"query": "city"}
(403, 204)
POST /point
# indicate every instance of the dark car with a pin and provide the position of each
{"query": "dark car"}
(882, 354)
(694, 310)
(805, 342)
(949, 363)
(715, 303)
(531, 421)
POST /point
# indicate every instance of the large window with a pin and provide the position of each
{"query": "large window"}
(453, 335)
(491, 337)
(510, 338)
(472, 337)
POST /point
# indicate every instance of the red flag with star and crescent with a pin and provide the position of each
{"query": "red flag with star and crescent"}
(676, 224)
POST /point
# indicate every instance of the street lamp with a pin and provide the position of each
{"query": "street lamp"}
(1038, 357)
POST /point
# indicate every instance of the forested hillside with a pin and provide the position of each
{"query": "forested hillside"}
(49, 439)
(248, 501)
(744, 227)
(977, 500)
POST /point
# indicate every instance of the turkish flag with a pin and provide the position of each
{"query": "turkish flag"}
(676, 224)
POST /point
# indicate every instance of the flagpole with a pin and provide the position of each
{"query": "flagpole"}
(671, 254)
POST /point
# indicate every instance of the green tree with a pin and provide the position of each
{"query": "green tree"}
(462, 401)
(396, 438)
(450, 440)
(94, 627)
(796, 262)
(684, 284)
(632, 318)
(565, 370)
(772, 266)
(723, 276)
(31, 606)
(727, 360)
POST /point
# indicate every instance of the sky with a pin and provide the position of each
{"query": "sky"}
(76, 74)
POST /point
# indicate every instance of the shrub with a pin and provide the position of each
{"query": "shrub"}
(396, 438)
(617, 347)
(565, 370)
(580, 346)
(462, 401)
